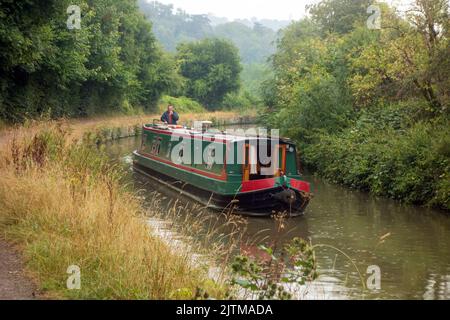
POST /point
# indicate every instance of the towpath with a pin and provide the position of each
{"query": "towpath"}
(14, 284)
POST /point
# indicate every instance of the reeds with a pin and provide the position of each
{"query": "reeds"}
(63, 204)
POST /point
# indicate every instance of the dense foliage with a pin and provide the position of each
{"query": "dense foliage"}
(172, 27)
(183, 105)
(112, 62)
(255, 44)
(254, 39)
(212, 69)
(369, 107)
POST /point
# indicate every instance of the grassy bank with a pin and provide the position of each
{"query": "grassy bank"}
(63, 204)
(112, 127)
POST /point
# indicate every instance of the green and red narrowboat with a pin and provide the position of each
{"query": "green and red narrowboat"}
(189, 160)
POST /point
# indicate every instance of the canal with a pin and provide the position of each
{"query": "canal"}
(409, 244)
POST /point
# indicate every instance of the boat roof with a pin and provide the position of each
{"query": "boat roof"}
(212, 134)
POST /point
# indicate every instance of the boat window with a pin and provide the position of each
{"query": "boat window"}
(264, 163)
(253, 160)
(211, 154)
(143, 141)
(156, 146)
(169, 149)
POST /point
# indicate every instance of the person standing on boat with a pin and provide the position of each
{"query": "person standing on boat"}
(170, 116)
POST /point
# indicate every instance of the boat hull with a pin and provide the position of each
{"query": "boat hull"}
(262, 203)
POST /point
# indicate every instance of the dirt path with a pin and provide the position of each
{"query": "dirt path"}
(14, 285)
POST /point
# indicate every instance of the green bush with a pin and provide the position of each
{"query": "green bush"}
(393, 158)
(211, 68)
(240, 100)
(181, 104)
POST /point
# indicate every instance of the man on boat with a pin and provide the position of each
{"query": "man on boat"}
(170, 116)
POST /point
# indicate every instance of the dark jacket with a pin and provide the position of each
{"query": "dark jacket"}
(165, 117)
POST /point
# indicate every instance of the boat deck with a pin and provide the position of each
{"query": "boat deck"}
(231, 136)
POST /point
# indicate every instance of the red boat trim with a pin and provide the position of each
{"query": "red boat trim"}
(255, 185)
(222, 177)
(300, 185)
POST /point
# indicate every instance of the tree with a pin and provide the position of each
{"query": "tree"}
(41, 61)
(339, 16)
(255, 44)
(212, 69)
(430, 19)
(172, 27)
(408, 59)
(111, 62)
(368, 108)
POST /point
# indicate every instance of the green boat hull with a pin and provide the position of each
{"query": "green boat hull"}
(216, 185)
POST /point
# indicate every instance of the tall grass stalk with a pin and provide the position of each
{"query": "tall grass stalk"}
(63, 204)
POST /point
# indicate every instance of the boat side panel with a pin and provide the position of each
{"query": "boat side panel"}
(156, 153)
(186, 176)
(183, 150)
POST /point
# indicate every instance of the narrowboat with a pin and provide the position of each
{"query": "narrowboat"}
(254, 174)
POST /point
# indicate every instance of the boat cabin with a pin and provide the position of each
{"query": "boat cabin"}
(223, 163)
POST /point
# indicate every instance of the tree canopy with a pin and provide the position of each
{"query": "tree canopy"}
(339, 16)
(212, 68)
(255, 42)
(368, 107)
(111, 62)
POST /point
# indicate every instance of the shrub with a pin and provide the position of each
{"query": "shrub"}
(181, 104)
(241, 100)
(385, 153)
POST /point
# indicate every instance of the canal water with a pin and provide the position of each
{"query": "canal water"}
(410, 245)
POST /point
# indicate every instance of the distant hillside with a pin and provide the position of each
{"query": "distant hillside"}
(172, 27)
(255, 44)
(275, 25)
(215, 21)
(255, 39)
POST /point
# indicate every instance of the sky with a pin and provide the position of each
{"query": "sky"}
(246, 9)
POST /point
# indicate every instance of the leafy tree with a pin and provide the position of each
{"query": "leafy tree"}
(339, 16)
(111, 62)
(368, 108)
(408, 58)
(41, 60)
(256, 42)
(212, 69)
(253, 75)
(173, 27)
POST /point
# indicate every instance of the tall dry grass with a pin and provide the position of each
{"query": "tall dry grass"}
(64, 204)
(82, 126)
(77, 128)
